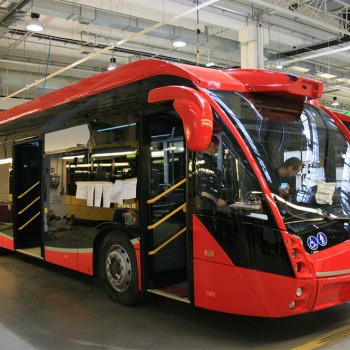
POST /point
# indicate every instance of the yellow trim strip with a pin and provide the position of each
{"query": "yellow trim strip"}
(150, 201)
(28, 190)
(340, 333)
(155, 251)
(29, 205)
(166, 217)
(28, 222)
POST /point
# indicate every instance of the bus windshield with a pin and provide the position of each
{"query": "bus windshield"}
(278, 131)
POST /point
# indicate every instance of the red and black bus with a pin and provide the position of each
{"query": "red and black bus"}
(103, 177)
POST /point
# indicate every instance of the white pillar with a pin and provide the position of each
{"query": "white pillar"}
(252, 40)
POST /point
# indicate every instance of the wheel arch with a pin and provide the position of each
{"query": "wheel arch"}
(103, 231)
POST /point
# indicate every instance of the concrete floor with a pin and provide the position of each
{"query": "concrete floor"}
(46, 307)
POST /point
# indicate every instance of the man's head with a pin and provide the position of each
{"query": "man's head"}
(213, 146)
(291, 167)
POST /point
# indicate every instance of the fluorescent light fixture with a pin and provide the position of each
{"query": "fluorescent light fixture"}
(112, 64)
(210, 64)
(326, 75)
(116, 127)
(335, 102)
(111, 154)
(279, 65)
(86, 50)
(179, 43)
(79, 156)
(106, 165)
(299, 69)
(34, 24)
(6, 161)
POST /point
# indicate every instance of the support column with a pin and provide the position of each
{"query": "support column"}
(252, 40)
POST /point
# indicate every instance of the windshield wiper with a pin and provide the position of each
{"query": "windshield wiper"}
(298, 207)
(324, 216)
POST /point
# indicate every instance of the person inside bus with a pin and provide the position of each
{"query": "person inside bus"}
(210, 178)
(286, 177)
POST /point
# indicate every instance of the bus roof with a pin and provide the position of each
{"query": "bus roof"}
(240, 80)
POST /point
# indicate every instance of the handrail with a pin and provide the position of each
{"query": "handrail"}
(29, 205)
(155, 251)
(29, 221)
(166, 217)
(172, 188)
(28, 190)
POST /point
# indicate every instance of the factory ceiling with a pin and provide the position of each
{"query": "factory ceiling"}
(79, 38)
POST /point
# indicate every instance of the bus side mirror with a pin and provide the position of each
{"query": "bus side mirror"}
(194, 110)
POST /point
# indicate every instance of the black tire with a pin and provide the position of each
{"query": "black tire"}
(117, 269)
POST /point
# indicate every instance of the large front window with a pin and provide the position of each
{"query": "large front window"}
(305, 161)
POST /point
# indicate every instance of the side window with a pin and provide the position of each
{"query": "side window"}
(226, 182)
(115, 148)
(96, 180)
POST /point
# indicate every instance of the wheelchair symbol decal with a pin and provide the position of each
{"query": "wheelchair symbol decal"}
(313, 242)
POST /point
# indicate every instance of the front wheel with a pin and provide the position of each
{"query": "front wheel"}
(117, 269)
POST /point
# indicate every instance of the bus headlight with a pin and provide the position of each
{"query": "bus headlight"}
(292, 305)
(299, 292)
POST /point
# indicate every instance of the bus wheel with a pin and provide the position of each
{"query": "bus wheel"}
(117, 269)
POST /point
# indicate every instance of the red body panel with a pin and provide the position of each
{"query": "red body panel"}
(74, 259)
(6, 242)
(257, 80)
(239, 80)
(85, 261)
(138, 261)
(65, 258)
(221, 286)
(332, 261)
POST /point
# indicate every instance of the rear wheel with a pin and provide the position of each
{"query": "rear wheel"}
(117, 269)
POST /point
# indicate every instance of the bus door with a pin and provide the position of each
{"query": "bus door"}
(27, 197)
(165, 235)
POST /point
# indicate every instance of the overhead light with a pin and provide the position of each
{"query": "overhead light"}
(79, 156)
(299, 69)
(335, 102)
(34, 24)
(279, 65)
(112, 64)
(326, 75)
(111, 154)
(86, 50)
(179, 43)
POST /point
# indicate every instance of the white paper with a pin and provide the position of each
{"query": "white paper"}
(116, 192)
(106, 190)
(90, 196)
(325, 191)
(98, 195)
(82, 190)
(86, 190)
(129, 188)
(122, 190)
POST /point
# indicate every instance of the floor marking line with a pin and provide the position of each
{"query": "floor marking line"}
(340, 333)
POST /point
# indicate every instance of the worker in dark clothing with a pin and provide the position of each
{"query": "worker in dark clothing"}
(210, 178)
(286, 175)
